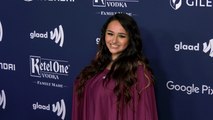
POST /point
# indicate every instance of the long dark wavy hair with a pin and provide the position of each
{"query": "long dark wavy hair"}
(123, 69)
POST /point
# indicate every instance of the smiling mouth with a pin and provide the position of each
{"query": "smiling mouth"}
(114, 45)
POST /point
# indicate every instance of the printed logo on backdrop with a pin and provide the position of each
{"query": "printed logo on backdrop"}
(207, 47)
(50, 0)
(190, 89)
(59, 108)
(176, 4)
(56, 35)
(52, 69)
(1, 32)
(97, 40)
(2, 99)
(113, 4)
(99, 3)
(7, 66)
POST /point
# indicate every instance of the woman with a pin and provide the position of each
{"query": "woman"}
(118, 84)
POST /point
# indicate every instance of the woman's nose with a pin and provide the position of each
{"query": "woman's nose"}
(114, 39)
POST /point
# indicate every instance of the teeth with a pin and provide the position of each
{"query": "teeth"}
(114, 45)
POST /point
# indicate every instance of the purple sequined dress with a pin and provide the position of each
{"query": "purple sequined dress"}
(99, 102)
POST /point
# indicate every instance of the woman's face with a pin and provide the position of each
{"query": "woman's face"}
(116, 38)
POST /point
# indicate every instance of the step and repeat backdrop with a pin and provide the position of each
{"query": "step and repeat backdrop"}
(45, 43)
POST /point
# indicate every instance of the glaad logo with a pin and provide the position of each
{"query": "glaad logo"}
(48, 68)
(97, 40)
(185, 47)
(182, 46)
(57, 35)
(2, 99)
(209, 47)
(59, 108)
(1, 32)
(175, 4)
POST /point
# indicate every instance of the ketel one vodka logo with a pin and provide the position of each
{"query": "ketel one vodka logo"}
(48, 68)
(2, 99)
(113, 3)
(1, 32)
(99, 3)
(59, 108)
(57, 35)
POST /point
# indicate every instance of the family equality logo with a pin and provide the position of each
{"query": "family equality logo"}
(57, 35)
(1, 32)
(59, 108)
(2, 99)
(176, 4)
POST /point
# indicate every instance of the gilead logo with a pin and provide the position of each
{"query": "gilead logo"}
(1, 32)
(2, 99)
(176, 4)
(199, 3)
(57, 35)
(59, 108)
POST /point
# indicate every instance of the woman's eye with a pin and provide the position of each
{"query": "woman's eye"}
(109, 34)
(122, 36)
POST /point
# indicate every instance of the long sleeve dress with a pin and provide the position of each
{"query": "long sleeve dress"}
(99, 101)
